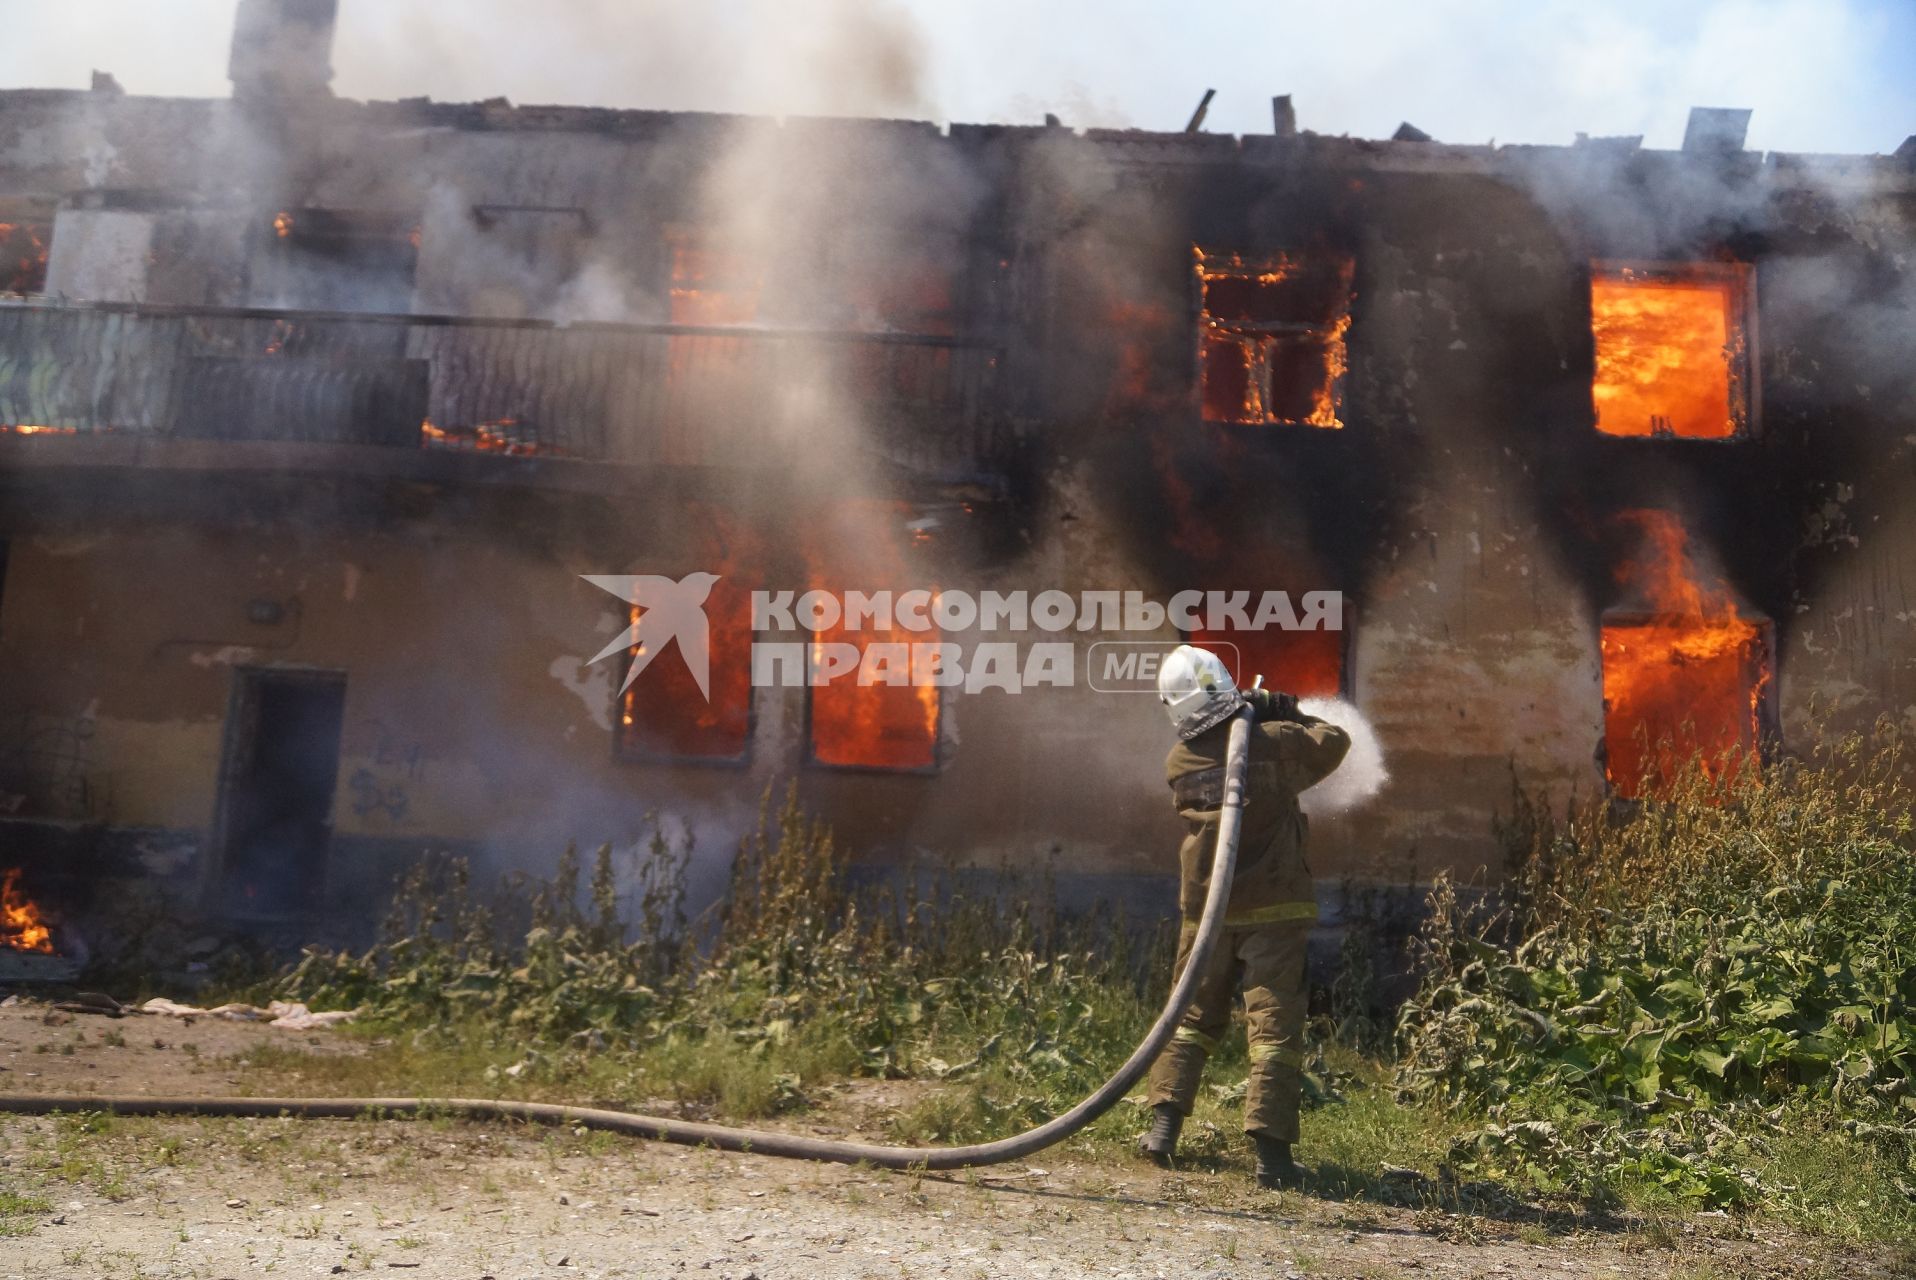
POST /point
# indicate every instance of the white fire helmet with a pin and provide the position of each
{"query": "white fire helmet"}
(1197, 690)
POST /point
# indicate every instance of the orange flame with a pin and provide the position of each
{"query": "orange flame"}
(1668, 345)
(871, 725)
(22, 927)
(35, 429)
(283, 224)
(1686, 677)
(875, 726)
(501, 435)
(23, 256)
(712, 286)
(664, 715)
(1272, 332)
(1306, 663)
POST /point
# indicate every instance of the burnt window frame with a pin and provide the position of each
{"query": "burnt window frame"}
(622, 753)
(1745, 375)
(324, 232)
(1336, 331)
(1768, 713)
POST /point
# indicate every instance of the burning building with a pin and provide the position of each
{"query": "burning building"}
(315, 414)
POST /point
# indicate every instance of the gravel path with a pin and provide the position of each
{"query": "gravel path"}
(193, 1198)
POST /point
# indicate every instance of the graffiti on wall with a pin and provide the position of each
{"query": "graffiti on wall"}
(380, 789)
(49, 769)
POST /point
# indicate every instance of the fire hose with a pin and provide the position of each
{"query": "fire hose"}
(756, 1141)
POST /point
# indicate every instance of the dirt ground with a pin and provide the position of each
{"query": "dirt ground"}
(232, 1198)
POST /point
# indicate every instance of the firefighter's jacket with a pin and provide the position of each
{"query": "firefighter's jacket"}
(1287, 756)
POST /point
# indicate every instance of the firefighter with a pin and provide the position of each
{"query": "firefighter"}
(1268, 920)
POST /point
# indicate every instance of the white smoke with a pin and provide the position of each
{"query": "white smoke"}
(1361, 776)
(1822, 75)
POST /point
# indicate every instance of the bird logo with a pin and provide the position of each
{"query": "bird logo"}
(669, 611)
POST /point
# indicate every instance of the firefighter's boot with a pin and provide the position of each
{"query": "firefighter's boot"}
(1275, 1168)
(1160, 1142)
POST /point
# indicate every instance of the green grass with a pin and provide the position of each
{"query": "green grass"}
(17, 1212)
(1002, 1016)
(1352, 1140)
(1831, 1186)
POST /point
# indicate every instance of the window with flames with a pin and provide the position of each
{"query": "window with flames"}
(884, 715)
(1310, 664)
(1674, 356)
(1271, 331)
(1686, 673)
(23, 255)
(1677, 688)
(665, 717)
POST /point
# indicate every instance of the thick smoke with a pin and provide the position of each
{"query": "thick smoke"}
(827, 57)
(1362, 775)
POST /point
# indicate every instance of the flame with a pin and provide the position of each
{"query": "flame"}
(1306, 663)
(875, 726)
(711, 286)
(872, 726)
(663, 715)
(1667, 349)
(283, 224)
(35, 429)
(23, 256)
(1336, 363)
(1272, 332)
(22, 927)
(1688, 676)
(501, 435)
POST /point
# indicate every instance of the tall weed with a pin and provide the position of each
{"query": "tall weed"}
(1672, 978)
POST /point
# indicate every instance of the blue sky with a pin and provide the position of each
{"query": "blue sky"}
(1821, 75)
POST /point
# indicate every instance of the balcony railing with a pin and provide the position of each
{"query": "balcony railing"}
(638, 394)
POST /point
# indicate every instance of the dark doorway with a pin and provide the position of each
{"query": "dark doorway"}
(276, 791)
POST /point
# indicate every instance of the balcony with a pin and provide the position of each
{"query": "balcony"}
(639, 395)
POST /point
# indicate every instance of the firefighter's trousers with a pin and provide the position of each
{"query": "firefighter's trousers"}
(1265, 958)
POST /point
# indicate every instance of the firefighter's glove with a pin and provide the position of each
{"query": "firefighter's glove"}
(1272, 705)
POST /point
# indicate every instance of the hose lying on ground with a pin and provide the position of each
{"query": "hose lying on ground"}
(759, 1142)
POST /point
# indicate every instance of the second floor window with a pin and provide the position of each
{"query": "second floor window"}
(1673, 355)
(1271, 337)
(23, 256)
(711, 284)
(338, 260)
